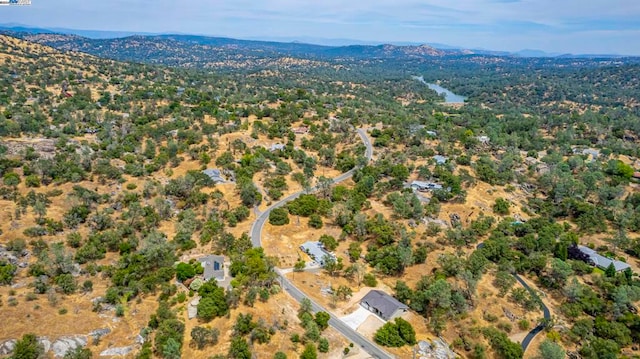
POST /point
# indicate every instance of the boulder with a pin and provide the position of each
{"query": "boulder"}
(100, 332)
(140, 339)
(437, 349)
(7, 346)
(63, 344)
(120, 351)
(192, 308)
(46, 343)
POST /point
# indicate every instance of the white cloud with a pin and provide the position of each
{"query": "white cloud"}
(550, 24)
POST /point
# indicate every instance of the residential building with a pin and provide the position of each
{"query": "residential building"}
(601, 261)
(215, 175)
(383, 305)
(316, 251)
(213, 267)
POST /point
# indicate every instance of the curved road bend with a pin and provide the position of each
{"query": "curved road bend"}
(545, 311)
(256, 228)
(256, 237)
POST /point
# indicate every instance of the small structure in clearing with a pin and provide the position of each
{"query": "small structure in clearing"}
(383, 305)
(213, 267)
(425, 186)
(215, 175)
(316, 251)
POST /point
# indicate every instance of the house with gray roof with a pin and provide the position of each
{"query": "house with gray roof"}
(316, 251)
(215, 175)
(383, 305)
(213, 267)
(603, 262)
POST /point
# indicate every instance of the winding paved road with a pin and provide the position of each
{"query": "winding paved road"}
(256, 228)
(256, 239)
(355, 337)
(545, 311)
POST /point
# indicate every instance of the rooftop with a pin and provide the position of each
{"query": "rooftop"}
(316, 251)
(384, 304)
(602, 261)
(215, 174)
(213, 267)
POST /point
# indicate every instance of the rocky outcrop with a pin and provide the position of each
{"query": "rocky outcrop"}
(7, 346)
(140, 339)
(61, 346)
(120, 351)
(46, 343)
(192, 308)
(512, 317)
(437, 349)
(18, 259)
(98, 333)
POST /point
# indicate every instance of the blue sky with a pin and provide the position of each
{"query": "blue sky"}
(576, 26)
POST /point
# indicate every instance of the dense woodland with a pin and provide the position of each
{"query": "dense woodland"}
(148, 119)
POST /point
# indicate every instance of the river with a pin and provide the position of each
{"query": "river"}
(449, 97)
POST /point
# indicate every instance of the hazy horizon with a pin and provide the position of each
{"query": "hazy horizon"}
(565, 26)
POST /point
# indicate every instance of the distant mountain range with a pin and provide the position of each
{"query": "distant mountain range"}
(179, 49)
